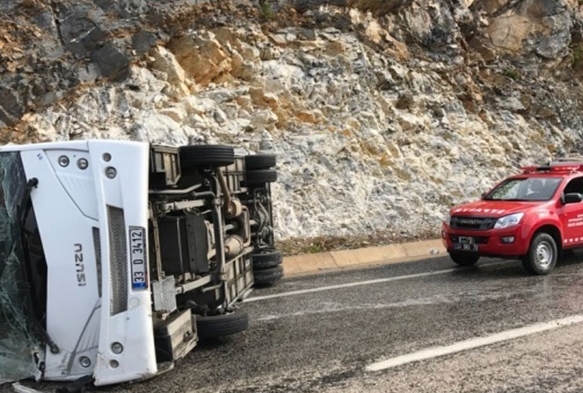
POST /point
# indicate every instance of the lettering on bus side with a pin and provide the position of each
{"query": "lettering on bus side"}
(80, 265)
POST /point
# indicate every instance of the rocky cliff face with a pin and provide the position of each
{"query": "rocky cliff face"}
(382, 113)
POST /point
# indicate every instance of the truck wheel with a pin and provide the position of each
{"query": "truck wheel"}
(214, 156)
(266, 259)
(221, 325)
(542, 255)
(463, 259)
(268, 277)
(260, 176)
(260, 161)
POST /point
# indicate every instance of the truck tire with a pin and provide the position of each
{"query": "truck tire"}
(260, 176)
(266, 259)
(260, 161)
(542, 255)
(213, 156)
(464, 259)
(221, 325)
(268, 277)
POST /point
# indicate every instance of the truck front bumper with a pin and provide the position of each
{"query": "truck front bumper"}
(501, 243)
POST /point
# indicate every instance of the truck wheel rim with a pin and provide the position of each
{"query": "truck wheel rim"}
(544, 254)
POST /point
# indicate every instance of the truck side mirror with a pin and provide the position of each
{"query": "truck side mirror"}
(573, 197)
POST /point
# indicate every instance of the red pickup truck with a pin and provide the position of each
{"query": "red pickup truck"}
(534, 216)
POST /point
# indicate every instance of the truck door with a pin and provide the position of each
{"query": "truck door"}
(571, 215)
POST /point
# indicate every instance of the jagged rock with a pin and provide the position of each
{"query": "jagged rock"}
(143, 41)
(11, 109)
(50, 46)
(263, 120)
(261, 98)
(375, 32)
(220, 116)
(555, 45)
(270, 53)
(379, 124)
(405, 101)
(513, 104)
(79, 33)
(248, 52)
(156, 128)
(164, 61)
(112, 62)
(409, 122)
(278, 39)
(174, 113)
(202, 56)
(313, 116)
(225, 94)
(242, 69)
(125, 8)
(192, 106)
(9, 5)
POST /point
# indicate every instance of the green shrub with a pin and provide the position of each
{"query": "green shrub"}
(266, 10)
(578, 57)
(511, 73)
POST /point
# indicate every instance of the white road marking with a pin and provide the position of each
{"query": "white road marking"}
(472, 343)
(330, 307)
(359, 283)
(348, 285)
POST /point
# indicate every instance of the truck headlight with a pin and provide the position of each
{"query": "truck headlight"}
(446, 217)
(508, 221)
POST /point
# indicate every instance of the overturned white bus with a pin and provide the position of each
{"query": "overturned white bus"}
(117, 257)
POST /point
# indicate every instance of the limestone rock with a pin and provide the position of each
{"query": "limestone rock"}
(202, 56)
(174, 113)
(380, 120)
(164, 61)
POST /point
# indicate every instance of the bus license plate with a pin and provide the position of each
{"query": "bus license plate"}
(138, 258)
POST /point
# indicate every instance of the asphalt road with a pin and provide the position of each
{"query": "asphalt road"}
(323, 340)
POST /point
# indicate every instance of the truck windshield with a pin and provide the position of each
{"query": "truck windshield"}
(525, 189)
(20, 341)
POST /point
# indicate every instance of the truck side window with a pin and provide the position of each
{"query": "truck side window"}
(575, 185)
(540, 189)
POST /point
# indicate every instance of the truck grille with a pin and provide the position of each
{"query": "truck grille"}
(118, 265)
(472, 223)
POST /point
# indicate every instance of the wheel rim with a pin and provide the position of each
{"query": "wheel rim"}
(544, 254)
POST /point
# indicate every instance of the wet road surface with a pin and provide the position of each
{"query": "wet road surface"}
(305, 337)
